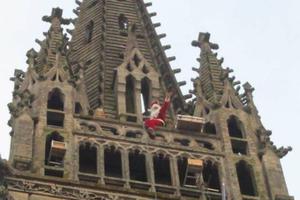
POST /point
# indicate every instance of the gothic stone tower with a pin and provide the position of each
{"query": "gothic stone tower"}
(77, 118)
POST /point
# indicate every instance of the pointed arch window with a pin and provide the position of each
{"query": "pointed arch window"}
(89, 29)
(88, 158)
(56, 100)
(123, 22)
(137, 166)
(182, 167)
(209, 128)
(130, 95)
(78, 108)
(235, 127)
(236, 131)
(162, 169)
(113, 162)
(55, 105)
(246, 178)
(211, 176)
(54, 156)
(145, 94)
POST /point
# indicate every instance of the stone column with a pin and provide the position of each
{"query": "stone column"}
(150, 171)
(125, 167)
(100, 161)
(174, 174)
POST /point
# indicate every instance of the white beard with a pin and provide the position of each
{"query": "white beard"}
(154, 111)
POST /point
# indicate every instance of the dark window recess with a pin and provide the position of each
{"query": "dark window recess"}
(145, 69)
(110, 129)
(211, 176)
(136, 60)
(246, 179)
(132, 134)
(207, 110)
(113, 162)
(123, 22)
(205, 144)
(78, 108)
(183, 142)
(48, 159)
(162, 170)
(130, 95)
(209, 128)
(88, 35)
(182, 167)
(55, 100)
(137, 166)
(55, 119)
(145, 94)
(54, 173)
(235, 127)
(239, 147)
(87, 159)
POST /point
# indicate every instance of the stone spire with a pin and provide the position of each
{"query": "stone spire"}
(214, 87)
(55, 41)
(210, 69)
(98, 41)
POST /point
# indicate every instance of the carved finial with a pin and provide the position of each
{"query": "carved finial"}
(56, 13)
(31, 55)
(225, 73)
(204, 43)
(282, 151)
(248, 88)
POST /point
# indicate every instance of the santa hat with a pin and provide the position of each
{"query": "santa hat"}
(154, 102)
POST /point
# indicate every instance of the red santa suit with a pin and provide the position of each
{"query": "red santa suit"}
(157, 115)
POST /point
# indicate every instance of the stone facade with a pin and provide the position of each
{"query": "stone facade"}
(77, 118)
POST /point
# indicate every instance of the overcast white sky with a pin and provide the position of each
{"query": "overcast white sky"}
(259, 39)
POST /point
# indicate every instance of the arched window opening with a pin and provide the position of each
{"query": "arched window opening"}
(56, 100)
(123, 22)
(207, 111)
(134, 134)
(88, 158)
(211, 176)
(205, 144)
(183, 142)
(89, 31)
(54, 149)
(145, 94)
(111, 130)
(209, 128)
(137, 166)
(246, 179)
(145, 69)
(78, 108)
(182, 167)
(136, 60)
(113, 162)
(227, 105)
(235, 127)
(130, 95)
(162, 169)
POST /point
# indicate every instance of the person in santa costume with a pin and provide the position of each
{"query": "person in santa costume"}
(157, 115)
